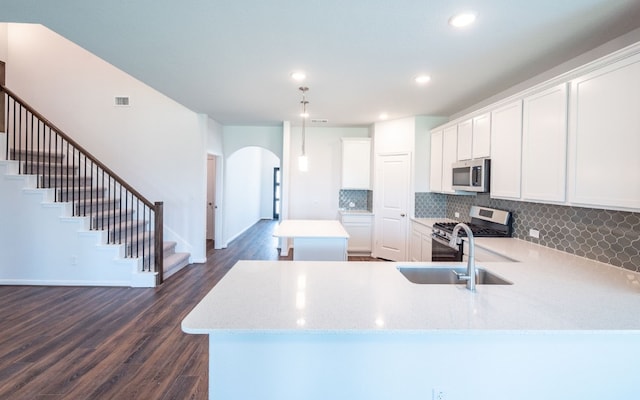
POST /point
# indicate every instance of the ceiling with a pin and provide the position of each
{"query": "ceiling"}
(231, 59)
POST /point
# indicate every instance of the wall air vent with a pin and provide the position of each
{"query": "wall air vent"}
(122, 101)
(319, 121)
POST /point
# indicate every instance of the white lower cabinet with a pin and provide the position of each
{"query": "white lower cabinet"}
(358, 226)
(483, 255)
(420, 247)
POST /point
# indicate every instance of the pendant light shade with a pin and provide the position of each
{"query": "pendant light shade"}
(303, 161)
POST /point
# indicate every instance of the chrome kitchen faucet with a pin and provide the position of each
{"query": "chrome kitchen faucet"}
(470, 277)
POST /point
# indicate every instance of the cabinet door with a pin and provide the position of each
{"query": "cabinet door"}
(435, 178)
(544, 146)
(356, 163)
(604, 149)
(415, 250)
(359, 227)
(426, 247)
(449, 156)
(481, 136)
(506, 151)
(465, 140)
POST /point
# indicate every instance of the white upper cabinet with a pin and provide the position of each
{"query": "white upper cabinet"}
(474, 138)
(544, 145)
(465, 140)
(435, 178)
(481, 136)
(604, 137)
(506, 152)
(449, 156)
(444, 145)
(356, 163)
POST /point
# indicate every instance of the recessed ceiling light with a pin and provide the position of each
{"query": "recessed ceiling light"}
(422, 79)
(298, 76)
(383, 116)
(462, 20)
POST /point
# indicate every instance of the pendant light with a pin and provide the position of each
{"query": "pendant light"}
(303, 161)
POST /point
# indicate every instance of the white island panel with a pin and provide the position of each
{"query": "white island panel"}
(315, 240)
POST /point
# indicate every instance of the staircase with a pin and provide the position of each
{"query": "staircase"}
(55, 166)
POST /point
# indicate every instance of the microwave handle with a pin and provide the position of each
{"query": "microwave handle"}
(476, 176)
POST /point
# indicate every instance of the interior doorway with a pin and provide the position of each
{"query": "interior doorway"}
(277, 193)
(212, 195)
(393, 174)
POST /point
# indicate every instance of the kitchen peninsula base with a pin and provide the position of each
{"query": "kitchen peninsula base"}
(361, 330)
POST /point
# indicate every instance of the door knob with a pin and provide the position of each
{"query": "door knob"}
(402, 215)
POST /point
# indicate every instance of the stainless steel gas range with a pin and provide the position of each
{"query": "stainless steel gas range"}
(485, 222)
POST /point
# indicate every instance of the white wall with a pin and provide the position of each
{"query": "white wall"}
(248, 181)
(43, 245)
(314, 194)
(267, 137)
(156, 144)
(4, 50)
(214, 137)
(616, 44)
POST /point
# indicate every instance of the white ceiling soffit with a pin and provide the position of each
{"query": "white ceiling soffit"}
(232, 59)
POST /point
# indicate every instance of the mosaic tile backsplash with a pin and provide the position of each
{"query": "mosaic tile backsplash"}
(361, 199)
(608, 236)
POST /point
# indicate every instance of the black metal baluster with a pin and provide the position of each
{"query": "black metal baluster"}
(84, 198)
(137, 225)
(145, 237)
(102, 209)
(39, 147)
(126, 240)
(19, 144)
(120, 216)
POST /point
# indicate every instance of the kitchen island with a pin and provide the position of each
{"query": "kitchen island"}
(567, 328)
(314, 240)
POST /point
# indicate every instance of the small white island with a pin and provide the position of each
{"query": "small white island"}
(314, 240)
(567, 328)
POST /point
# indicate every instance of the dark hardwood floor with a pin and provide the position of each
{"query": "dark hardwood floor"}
(116, 343)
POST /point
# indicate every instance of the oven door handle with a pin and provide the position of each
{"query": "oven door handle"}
(440, 240)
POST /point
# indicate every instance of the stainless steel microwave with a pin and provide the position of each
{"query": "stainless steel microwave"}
(471, 175)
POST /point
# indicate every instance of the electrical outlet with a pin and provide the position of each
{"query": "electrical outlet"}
(74, 260)
(457, 214)
(438, 394)
(534, 233)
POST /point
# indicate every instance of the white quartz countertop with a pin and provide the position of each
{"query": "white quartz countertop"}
(310, 228)
(552, 291)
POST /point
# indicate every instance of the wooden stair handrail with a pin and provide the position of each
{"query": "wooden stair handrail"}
(121, 181)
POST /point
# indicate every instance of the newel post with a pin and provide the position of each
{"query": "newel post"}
(158, 242)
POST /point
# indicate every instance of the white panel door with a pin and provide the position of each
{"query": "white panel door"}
(392, 206)
(506, 151)
(544, 148)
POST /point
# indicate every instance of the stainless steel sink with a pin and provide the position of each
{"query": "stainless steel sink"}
(444, 275)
